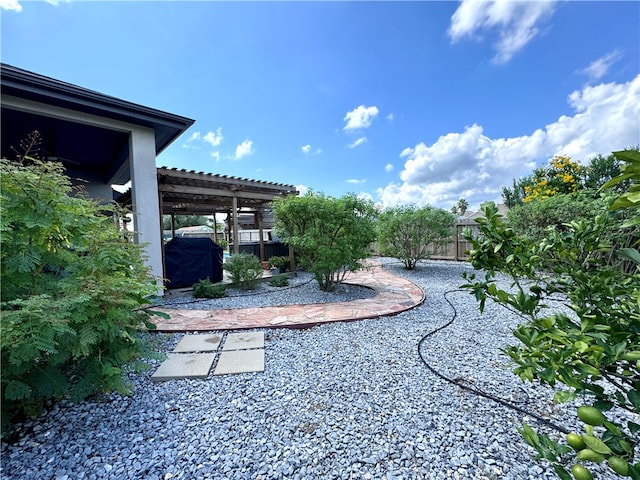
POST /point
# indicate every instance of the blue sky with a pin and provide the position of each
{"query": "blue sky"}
(403, 103)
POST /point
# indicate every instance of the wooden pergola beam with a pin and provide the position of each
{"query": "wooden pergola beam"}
(215, 192)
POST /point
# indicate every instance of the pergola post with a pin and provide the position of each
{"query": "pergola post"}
(258, 215)
(236, 237)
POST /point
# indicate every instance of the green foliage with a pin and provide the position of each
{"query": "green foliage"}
(513, 196)
(185, 221)
(72, 287)
(245, 270)
(534, 218)
(630, 173)
(330, 235)
(601, 170)
(593, 351)
(281, 263)
(411, 234)
(460, 208)
(280, 280)
(561, 176)
(206, 289)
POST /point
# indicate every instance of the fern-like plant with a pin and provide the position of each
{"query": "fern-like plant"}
(73, 285)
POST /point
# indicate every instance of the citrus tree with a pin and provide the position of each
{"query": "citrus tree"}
(330, 235)
(72, 287)
(411, 234)
(593, 348)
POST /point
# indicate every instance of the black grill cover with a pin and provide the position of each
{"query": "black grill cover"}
(189, 260)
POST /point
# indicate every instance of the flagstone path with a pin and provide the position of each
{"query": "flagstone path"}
(393, 295)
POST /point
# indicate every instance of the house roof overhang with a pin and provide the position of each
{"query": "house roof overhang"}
(87, 147)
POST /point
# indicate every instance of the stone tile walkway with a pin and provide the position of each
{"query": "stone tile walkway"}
(195, 355)
(393, 295)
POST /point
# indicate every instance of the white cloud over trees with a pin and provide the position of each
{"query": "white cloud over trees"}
(471, 165)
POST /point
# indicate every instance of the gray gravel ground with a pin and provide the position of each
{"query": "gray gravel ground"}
(349, 400)
(302, 289)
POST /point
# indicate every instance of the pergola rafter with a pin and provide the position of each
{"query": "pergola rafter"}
(183, 192)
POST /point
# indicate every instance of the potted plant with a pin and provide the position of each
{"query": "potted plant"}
(278, 264)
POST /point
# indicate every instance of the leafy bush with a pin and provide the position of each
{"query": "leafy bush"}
(206, 289)
(330, 235)
(534, 217)
(411, 234)
(72, 287)
(281, 280)
(595, 352)
(245, 270)
(281, 263)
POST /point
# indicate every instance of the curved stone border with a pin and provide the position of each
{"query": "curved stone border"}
(393, 295)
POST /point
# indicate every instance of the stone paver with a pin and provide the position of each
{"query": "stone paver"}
(198, 343)
(240, 361)
(184, 365)
(244, 341)
(393, 295)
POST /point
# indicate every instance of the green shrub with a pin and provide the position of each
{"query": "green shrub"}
(411, 234)
(281, 280)
(594, 353)
(72, 287)
(206, 289)
(330, 235)
(245, 270)
(281, 263)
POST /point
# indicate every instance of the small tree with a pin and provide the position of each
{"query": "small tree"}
(562, 175)
(595, 351)
(411, 234)
(330, 235)
(73, 285)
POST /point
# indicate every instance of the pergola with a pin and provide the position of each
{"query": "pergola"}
(183, 192)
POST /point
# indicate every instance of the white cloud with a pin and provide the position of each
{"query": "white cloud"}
(12, 5)
(406, 152)
(360, 117)
(516, 23)
(390, 117)
(599, 68)
(197, 140)
(216, 155)
(388, 168)
(359, 141)
(214, 138)
(471, 165)
(307, 149)
(356, 181)
(365, 196)
(302, 190)
(244, 149)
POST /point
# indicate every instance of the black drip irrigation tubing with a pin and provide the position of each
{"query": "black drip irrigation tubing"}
(472, 390)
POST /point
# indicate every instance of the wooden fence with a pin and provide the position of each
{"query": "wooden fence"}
(456, 247)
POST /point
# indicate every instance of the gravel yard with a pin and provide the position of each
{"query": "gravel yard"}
(348, 400)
